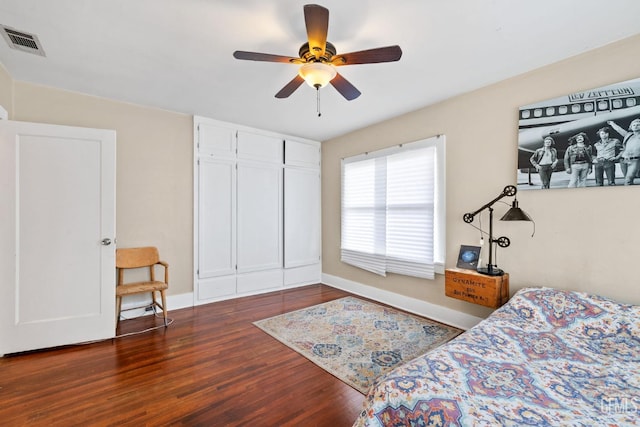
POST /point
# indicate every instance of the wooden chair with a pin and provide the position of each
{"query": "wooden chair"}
(132, 258)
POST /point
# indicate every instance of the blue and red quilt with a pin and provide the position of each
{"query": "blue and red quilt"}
(547, 358)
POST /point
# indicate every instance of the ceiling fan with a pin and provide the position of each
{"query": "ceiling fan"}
(318, 57)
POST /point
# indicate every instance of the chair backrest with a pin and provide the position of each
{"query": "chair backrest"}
(136, 257)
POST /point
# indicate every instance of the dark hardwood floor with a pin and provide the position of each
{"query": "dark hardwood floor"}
(211, 367)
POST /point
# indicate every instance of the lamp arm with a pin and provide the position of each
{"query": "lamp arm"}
(509, 190)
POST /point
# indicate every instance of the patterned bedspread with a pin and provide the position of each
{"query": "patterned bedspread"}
(547, 358)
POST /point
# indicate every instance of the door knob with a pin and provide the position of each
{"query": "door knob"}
(106, 242)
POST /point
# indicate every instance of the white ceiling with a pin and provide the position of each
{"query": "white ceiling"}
(177, 54)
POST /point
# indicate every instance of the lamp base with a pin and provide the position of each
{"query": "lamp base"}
(490, 271)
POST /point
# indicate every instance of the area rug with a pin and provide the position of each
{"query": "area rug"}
(356, 340)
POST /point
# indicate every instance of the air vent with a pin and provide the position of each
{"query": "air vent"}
(20, 40)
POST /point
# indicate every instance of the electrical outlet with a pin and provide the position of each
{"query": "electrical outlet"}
(148, 308)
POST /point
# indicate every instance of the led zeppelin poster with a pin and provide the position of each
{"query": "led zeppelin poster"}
(580, 140)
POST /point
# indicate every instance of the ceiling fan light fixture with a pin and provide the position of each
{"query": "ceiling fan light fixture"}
(317, 74)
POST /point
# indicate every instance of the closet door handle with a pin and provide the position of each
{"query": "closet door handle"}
(106, 242)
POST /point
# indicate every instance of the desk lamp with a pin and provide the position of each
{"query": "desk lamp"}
(513, 214)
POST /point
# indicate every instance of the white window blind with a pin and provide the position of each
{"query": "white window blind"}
(388, 210)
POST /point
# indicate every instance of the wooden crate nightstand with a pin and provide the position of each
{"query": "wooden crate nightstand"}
(471, 286)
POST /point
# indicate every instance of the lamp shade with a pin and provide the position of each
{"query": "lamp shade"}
(515, 214)
(317, 74)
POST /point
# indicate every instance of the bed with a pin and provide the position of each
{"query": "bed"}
(547, 358)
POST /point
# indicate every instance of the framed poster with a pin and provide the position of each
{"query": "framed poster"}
(468, 257)
(580, 139)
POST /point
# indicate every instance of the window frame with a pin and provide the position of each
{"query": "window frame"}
(439, 220)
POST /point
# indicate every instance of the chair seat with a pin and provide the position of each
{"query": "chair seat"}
(138, 287)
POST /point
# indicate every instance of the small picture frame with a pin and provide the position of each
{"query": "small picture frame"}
(468, 257)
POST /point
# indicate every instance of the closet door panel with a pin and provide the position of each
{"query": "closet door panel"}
(219, 142)
(301, 217)
(303, 275)
(217, 218)
(303, 154)
(216, 288)
(261, 148)
(259, 280)
(259, 196)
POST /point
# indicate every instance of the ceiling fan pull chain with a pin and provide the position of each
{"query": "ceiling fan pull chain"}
(318, 101)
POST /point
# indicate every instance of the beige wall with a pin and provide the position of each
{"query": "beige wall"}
(585, 239)
(6, 90)
(154, 168)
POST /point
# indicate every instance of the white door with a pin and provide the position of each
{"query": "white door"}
(216, 217)
(259, 203)
(301, 217)
(259, 210)
(57, 219)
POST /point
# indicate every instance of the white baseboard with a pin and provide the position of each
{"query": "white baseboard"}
(186, 300)
(412, 305)
(174, 302)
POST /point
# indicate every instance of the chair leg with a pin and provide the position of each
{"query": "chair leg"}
(164, 307)
(118, 309)
(153, 300)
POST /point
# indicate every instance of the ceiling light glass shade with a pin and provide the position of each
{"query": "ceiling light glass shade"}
(317, 74)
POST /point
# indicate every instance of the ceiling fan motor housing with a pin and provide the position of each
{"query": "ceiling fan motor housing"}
(308, 56)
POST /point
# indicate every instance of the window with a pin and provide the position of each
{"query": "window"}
(393, 209)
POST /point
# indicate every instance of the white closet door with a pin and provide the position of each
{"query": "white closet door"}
(216, 141)
(57, 265)
(301, 217)
(259, 198)
(259, 195)
(261, 148)
(217, 218)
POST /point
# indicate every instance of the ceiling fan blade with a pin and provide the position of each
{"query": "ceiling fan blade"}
(316, 19)
(380, 54)
(266, 57)
(345, 88)
(290, 87)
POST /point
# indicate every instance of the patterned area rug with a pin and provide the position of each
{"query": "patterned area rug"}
(356, 340)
